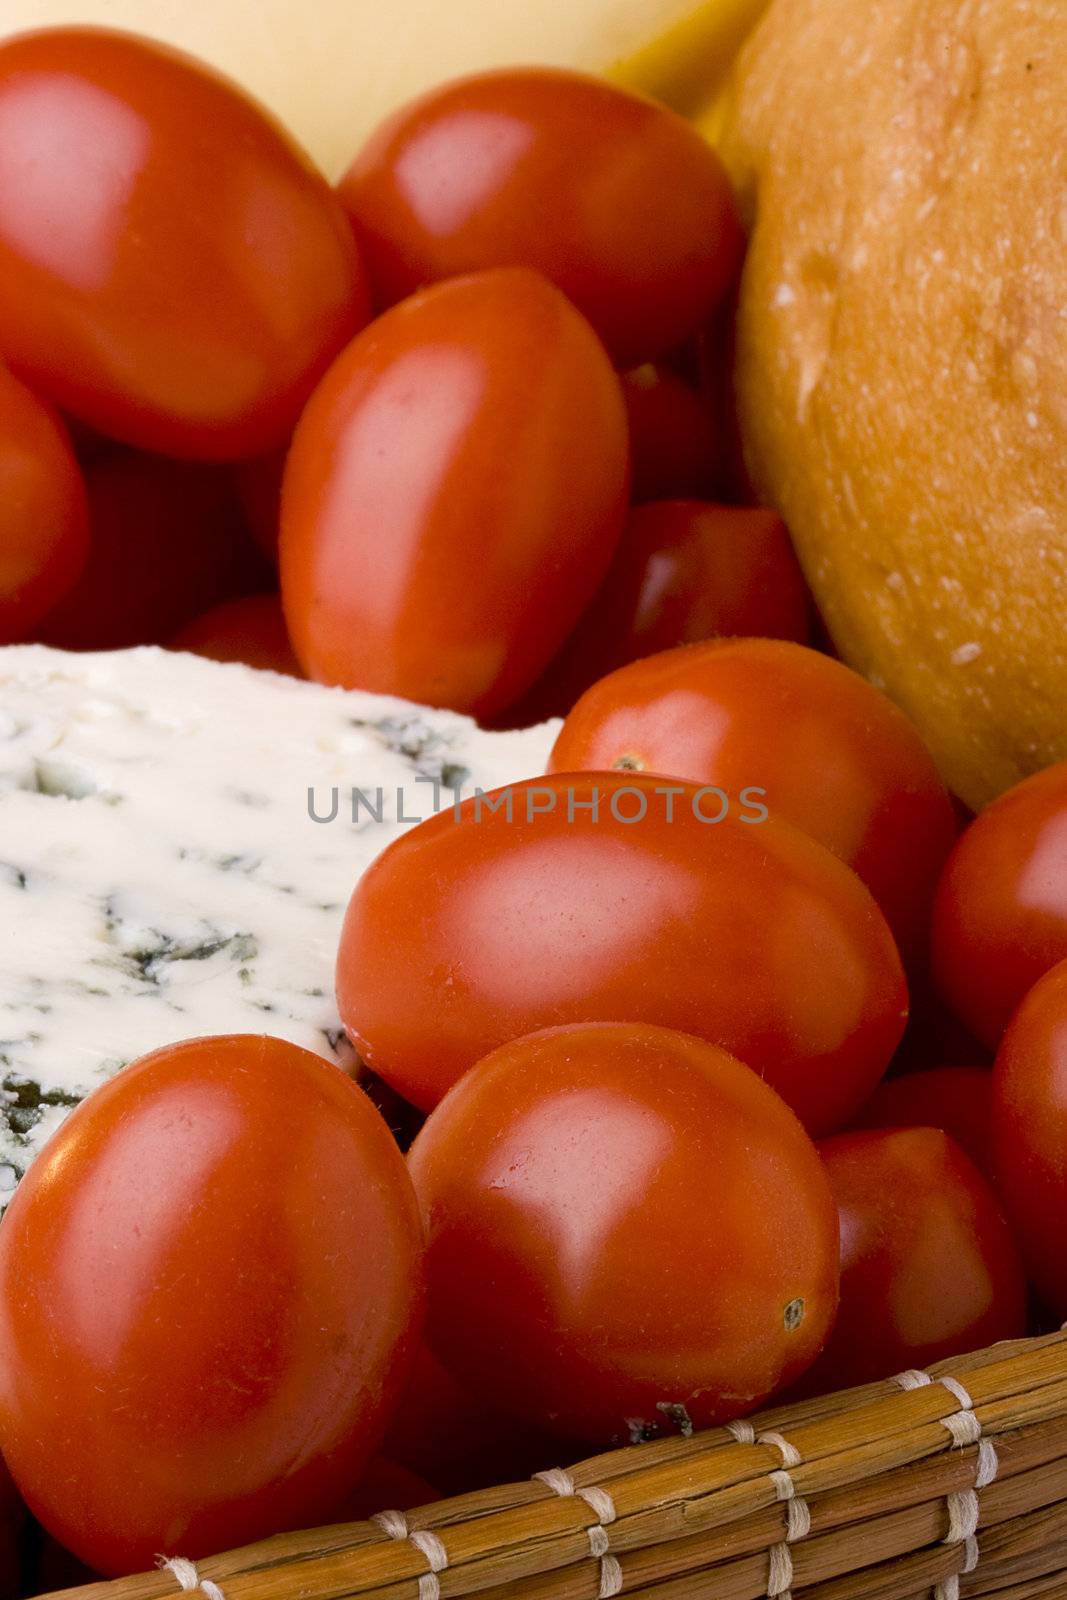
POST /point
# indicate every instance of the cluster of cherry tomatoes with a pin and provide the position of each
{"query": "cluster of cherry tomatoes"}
(619, 1013)
(658, 1175)
(493, 341)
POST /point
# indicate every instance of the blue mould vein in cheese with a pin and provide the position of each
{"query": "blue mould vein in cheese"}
(161, 874)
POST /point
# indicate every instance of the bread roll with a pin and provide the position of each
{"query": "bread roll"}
(902, 350)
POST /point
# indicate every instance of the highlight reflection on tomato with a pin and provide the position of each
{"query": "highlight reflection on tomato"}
(464, 934)
(628, 1233)
(173, 271)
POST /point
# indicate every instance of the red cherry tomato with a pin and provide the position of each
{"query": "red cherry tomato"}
(928, 1267)
(958, 1100)
(684, 572)
(466, 933)
(172, 269)
(617, 200)
(251, 630)
(454, 494)
(1030, 1131)
(168, 539)
(675, 441)
(209, 1293)
(627, 1233)
(1000, 919)
(834, 756)
(44, 527)
(457, 1439)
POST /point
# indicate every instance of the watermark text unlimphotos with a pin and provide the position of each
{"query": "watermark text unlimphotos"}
(409, 804)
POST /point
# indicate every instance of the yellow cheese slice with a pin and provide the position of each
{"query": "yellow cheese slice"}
(331, 69)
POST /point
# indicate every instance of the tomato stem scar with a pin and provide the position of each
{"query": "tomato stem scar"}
(793, 1315)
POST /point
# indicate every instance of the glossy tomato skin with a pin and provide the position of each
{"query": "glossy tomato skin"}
(173, 271)
(837, 759)
(251, 630)
(167, 539)
(626, 1232)
(44, 520)
(618, 201)
(454, 494)
(1000, 918)
(929, 1268)
(466, 933)
(685, 571)
(211, 1289)
(675, 436)
(1030, 1131)
(958, 1100)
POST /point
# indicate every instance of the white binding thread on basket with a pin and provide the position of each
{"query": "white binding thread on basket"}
(798, 1512)
(798, 1516)
(780, 1572)
(602, 1505)
(789, 1453)
(188, 1578)
(963, 1507)
(394, 1525)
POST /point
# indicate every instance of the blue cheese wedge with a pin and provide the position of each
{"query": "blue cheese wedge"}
(178, 841)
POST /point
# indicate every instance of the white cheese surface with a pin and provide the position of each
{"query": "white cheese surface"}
(160, 874)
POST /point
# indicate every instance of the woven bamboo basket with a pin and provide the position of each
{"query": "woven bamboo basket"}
(950, 1483)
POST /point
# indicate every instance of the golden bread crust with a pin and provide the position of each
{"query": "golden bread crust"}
(902, 350)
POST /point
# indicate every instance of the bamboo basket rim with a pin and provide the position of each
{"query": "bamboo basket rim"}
(951, 1482)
